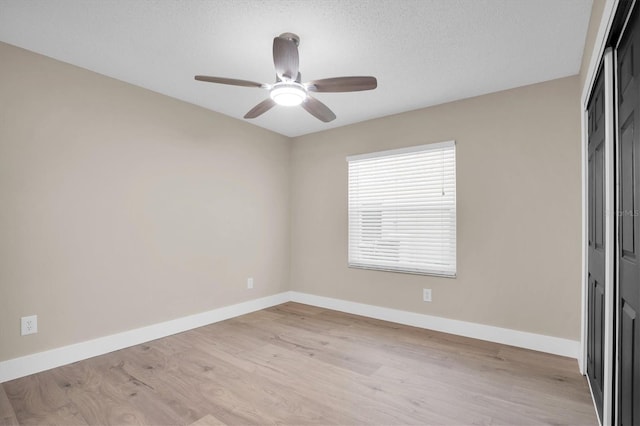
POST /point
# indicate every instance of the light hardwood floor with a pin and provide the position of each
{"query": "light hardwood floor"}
(296, 364)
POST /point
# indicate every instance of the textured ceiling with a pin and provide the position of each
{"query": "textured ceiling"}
(423, 52)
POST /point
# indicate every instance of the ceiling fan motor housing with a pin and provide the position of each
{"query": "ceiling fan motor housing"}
(291, 36)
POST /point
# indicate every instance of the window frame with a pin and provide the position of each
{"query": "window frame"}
(429, 266)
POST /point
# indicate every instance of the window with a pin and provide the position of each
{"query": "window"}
(402, 210)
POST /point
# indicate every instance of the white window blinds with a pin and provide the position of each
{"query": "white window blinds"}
(402, 210)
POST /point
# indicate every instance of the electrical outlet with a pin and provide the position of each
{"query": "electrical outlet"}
(28, 325)
(426, 294)
(249, 283)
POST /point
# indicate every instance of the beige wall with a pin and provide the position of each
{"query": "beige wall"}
(518, 182)
(120, 207)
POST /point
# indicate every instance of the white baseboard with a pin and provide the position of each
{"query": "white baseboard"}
(522, 339)
(41, 361)
(34, 363)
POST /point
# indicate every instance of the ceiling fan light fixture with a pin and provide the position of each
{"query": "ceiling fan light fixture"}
(288, 94)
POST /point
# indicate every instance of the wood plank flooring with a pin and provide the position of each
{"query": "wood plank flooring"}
(7, 416)
(295, 364)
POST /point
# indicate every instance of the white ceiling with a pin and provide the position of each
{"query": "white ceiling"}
(423, 52)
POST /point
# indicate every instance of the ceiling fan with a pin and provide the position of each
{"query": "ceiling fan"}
(288, 90)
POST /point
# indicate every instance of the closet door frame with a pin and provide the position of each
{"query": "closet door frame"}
(609, 233)
(607, 59)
